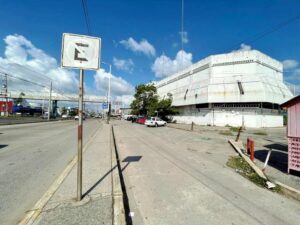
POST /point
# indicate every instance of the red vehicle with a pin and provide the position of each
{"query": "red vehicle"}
(141, 119)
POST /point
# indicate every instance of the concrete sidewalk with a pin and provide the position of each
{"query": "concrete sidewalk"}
(102, 196)
(178, 177)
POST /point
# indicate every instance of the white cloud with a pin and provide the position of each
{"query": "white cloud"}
(289, 64)
(125, 99)
(143, 46)
(163, 66)
(24, 60)
(294, 76)
(119, 86)
(123, 64)
(243, 47)
(184, 37)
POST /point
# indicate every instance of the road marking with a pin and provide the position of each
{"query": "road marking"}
(32, 214)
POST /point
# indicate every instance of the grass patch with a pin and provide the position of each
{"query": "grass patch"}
(244, 169)
(260, 133)
(234, 129)
(226, 132)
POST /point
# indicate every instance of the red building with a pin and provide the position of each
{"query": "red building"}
(6, 106)
(293, 132)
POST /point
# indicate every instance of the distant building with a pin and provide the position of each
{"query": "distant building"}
(6, 106)
(125, 111)
(243, 88)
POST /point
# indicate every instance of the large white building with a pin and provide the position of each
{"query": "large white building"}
(243, 88)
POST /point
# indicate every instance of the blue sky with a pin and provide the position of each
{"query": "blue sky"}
(135, 34)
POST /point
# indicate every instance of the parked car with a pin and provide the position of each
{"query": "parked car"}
(141, 119)
(127, 117)
(134, 118)
(65, 116)
(77, 117)
(155, 122)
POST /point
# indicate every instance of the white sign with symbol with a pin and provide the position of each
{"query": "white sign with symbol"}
(79, 51)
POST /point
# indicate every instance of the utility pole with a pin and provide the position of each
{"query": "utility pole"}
(6, 95)
(49, 105)
(79, 161)
(109, 103)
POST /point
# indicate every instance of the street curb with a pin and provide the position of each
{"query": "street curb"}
(117, 194)
(24, 122)
(32, 214)
(257, 170)
(289, 191)
(29, 123)
(179, 128)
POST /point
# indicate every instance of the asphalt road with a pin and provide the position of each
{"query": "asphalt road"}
(32, 156)
(21, 120)
(180, 177)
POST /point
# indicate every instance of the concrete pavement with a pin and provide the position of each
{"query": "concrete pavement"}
(100, 187)
(274, 138)
(181, 177)
(31, 157)
(171, 176)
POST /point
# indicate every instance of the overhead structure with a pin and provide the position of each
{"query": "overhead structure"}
(242, 88)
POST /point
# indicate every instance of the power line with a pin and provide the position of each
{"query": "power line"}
(22, 79)
(86, 16)
(269, 31)
(275, 28)
(34, 83)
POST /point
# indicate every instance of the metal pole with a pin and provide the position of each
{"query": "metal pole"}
(6, 97)
(49, 105)
(109, 106)
(267, 159)
(43, 107)
(79, 157)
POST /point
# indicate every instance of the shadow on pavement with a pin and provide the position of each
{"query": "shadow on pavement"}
(98, 182)
(130, 159)
(281, 147)
(278, 159)
(3, 146)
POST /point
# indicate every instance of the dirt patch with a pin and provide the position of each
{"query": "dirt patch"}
(234, 129)
(260, 133)
(226, 132)
(244, 169)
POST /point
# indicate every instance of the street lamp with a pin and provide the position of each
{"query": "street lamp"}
(108, 97)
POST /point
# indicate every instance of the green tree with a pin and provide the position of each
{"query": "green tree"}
(63, 110)
(145, 100)
(165, 108)
(72, 113)
(19, 100)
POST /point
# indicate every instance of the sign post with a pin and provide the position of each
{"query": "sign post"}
(80, 52)
(79, 152)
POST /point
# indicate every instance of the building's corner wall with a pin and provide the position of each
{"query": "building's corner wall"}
(222, 119)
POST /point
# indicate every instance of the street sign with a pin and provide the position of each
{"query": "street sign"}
(104, 106)
(79, 51)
